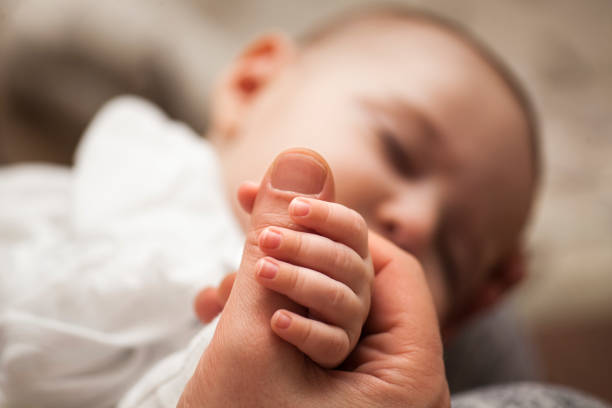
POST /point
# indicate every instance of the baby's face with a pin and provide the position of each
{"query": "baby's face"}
(423, 138)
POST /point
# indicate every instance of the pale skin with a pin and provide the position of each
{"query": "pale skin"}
(327, 270)
(398, 359)
(457, 206)
(431, 132)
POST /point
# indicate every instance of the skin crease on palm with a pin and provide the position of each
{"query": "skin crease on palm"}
(423, 137)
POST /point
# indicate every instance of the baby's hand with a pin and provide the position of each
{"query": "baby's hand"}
(328, 270)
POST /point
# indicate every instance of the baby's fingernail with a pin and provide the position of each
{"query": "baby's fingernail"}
(270, 239)
(282, 320)
(299, 207)
(266, 269)
(298, 172)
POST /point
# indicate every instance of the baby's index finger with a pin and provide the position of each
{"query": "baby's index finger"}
(332, 220)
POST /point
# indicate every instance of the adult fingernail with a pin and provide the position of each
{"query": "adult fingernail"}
(298, 172)
(282, 320)
(266, 269)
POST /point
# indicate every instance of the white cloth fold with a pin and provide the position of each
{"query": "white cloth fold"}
(99, 264)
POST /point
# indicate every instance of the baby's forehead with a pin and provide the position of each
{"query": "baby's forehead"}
(416, 68)
(393, 48)
(398, 32)
(388, 38)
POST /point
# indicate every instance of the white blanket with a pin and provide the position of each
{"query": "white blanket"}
(99, 264)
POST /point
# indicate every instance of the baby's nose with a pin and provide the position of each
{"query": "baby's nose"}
(410, 221)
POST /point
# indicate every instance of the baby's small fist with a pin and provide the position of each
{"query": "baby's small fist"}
(328, 270)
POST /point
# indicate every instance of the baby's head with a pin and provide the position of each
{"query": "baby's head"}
(427, 135)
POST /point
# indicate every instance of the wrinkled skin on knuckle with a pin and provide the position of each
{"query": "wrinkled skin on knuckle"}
(251, 246)
(296, 280)
(328, 213)
(356, 305)
(299, 245)
(344, 259)
(306, 335)
(359, 227)
(337, 297)
(366, 277)
(364, 307)
(365, 290)
(353, 333)
(336, 350)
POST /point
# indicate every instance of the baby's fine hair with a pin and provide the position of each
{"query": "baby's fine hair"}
(336, 25)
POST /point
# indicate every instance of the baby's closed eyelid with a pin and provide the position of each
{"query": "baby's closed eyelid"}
(397, 155)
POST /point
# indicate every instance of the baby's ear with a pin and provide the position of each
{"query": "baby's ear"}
(504, 276)
(247, 77)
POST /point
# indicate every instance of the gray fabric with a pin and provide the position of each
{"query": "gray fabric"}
(525, 395)
(493, 349)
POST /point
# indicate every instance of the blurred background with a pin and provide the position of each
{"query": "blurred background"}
(61, 60)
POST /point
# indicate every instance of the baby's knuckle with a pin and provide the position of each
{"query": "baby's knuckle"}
(364, 309)
(343, 258)
(355, 306)
(299, 244)
(295, 280)
(252, 237)
(337, 297)
(338, 347)
(362, 275)
(306, 333)
(352, 335)
(359, 225)
(327, 212)
(369, 272)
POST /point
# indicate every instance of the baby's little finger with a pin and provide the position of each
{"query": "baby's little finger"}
(326, 345)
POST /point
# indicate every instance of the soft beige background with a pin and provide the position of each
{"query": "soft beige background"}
(561, 48)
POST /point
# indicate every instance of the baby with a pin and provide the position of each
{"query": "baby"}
(317, 256)
(418, 124)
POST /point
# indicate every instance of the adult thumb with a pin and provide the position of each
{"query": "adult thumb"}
(402, 326)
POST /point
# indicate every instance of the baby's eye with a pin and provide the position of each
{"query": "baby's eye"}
(396, 155)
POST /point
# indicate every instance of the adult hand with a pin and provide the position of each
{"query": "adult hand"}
(398, 361)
